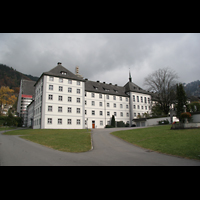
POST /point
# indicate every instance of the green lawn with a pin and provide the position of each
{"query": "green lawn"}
(6, 128)
(68, 140)
(184, 143)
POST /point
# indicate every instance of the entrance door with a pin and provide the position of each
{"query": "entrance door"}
(93, 124)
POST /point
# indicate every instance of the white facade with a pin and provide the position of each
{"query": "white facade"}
(30, 110)
(99, 109)
(74, 103)
(61, 105)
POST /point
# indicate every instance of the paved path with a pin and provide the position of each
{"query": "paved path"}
(108, 150)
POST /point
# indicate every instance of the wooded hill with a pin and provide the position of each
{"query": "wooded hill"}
(11, 77)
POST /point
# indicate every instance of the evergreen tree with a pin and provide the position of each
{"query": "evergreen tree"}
(181, 100)
(113, 121)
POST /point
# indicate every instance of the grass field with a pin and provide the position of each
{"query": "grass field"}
(184, 143)
(6, 128)
(67, 140)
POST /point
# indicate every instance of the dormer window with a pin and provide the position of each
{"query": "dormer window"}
(107, 90)
(96, 88)
(63, 73)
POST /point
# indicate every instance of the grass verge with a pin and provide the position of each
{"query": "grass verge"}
(184, 143)
(67, 140)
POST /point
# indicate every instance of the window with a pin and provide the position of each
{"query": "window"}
(138, 99)
(121, 114)
(127, 106)
(85, 112)
(114, 105)
(78, 110)
(69, 121)
(69, 99)
(60, 98)
(59, 121)
(78, 100)
(70, 90)
(101, 123)
(59, 109)
(93, 112)
(127, 114)
(138, 107)
(60, 80)
(93, 103)
(92, 95)
(78, 121)
(126, 98)
(107, 96)
(133, 98)
(49, 121)
(142, 107)
(100, 104)
(120, 98)
(100, 96)
(50, 97)
(69, 81)
(108, 113)
(100, 112)
(121, 106)
(108, 104)
(69, 109)
(145, 107)
(51, 78)
(78, 91)
(50, 108)
(141, 99)
(148, 100)
(134, 106)
(78, 83)
(50, 87)
(114, 97)
(60, 88)
(115, 113)
(85, 102)
(64, 73)
(145, 100)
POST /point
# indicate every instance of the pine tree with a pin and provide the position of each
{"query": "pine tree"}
(113, 121)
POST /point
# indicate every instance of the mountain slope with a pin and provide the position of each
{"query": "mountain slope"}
(193, 88)
(10, 77)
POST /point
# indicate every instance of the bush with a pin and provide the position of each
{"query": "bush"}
(120, 124)
(109, 126)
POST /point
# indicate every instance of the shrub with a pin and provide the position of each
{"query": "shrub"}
(109, 126)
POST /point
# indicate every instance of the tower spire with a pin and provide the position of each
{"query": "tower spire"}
(130, 78)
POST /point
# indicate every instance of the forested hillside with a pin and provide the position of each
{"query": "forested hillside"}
(10, 77)
(193, 88)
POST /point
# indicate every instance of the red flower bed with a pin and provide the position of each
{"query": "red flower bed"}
(186, 115)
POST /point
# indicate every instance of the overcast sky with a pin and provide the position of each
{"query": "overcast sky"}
(104, 56)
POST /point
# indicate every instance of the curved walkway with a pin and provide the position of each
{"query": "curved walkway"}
(107, 150)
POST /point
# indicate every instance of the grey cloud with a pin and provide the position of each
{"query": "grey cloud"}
(104, 56)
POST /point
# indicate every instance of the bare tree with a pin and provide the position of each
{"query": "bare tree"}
(162, 83)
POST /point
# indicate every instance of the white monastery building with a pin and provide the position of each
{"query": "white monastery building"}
(64, 100)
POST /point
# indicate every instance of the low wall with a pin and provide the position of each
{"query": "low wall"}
(154, 121)
(196, 117)
(185, 125)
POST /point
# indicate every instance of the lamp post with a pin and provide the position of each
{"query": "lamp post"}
(186, 120)
(6, 125)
